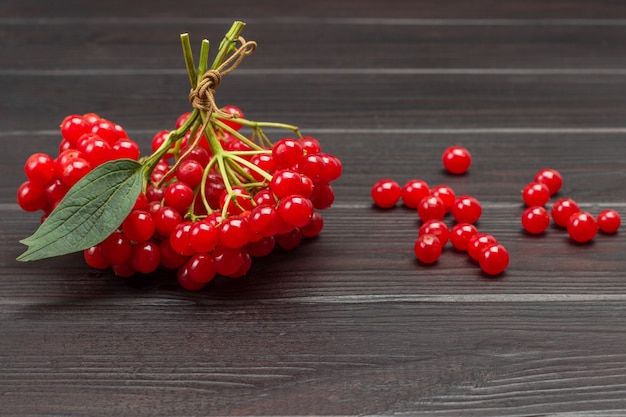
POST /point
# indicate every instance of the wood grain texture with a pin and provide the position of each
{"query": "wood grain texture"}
(348, 323)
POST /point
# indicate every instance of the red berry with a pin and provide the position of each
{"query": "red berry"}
(239, 201)
(200, 268)
(427, 248)
(31, 196)
(228, 261)
(295, 210)
(456, 160)
(466, 209)
(179, 196)
(125, 148)
(494, 259)
(165, 219)
(234, 232)
(145, 257)
(287, 153)
(535, 194)
(106, 130)
(582, 227)
(461, 234)
(314, 227)
(609, 221)
(310, 144)
(386, 193)
(190, 172)
(551, 178)
(39, 168)
(73, 127)
(169, 257)
(180, 240)
(182, 119)
(74, 171)
(413, 191)
(477, 243)
(95, 150)
(116, 249)
(138, 226)
(562, 210)
(322, 196)
(93, 258)
(436, 228)
(158, 139)
(285, 182)
(203, 236)
(535, 220)
(264, 220)
(431, 207)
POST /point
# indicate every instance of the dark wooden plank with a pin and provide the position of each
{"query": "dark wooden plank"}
(122, 45)
(352, 100)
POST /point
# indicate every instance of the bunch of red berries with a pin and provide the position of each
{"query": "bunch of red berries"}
(88, 141)
(581, 225)
(207, 208)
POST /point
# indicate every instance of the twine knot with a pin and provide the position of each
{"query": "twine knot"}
(203, 96)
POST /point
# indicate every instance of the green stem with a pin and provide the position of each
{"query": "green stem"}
(228, 43)
(188, 54)
(235, 133)
(250, 165)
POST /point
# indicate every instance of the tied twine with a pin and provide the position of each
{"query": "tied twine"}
(202, 97)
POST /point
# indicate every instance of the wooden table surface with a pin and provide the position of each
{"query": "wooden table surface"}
(350, 323)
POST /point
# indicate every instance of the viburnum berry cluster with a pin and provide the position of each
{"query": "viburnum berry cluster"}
(214, 193)
(433, 205)
(581, 225)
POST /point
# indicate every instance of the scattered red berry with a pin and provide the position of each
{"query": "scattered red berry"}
(461, 234)
(494, 259)
(466, 209)
(431, 208)
(536, 194)
(535, 220)
(427, 248)
(479, 242)
(413, 192)
(562, 210)
(456, 160)
(609, 221)
(386, 193)
(582, 227)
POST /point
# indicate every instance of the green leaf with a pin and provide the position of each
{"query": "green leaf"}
(91, 210)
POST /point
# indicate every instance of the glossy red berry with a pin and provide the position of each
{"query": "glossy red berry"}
(179, 196)
(427, 248)
(145, 257)
(203, 236)
(314, 227)
(461, 234)
(289, 240)
(295, 210)
(261, 247)
(551, 178)
(287, 152)
(93, 258)
(431, 208)
(413, 191)
(535, 194)
(494, 259)
(74, 171)
(310, 144)
(264, 220)
(609, 221)
(582, 227)
(180, 240)
(466, 209)
(169, 257)
(138, 226)
(227, 261)
(73, 127)
(185, 281)
(535, 220)
(386, 193)
(116, 249)
(456, 160)
(322, 196)
(436, 228)
(165, 219)
(234, 232)
(285, 182)
(125, 148)
(39, 168)
(31, 196)
(562, 210)
(200, 268)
